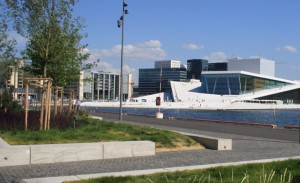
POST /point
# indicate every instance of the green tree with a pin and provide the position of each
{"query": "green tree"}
(54, 35)
(7, 102)
(54, 38)
(7, 46)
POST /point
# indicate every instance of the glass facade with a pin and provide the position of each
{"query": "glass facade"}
(103, 86)
(236, 84)
(218, 66)
(195, 68)
(149, 79)
(289, 97)
(106, 86)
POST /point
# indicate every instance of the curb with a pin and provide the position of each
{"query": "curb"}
(146, 172)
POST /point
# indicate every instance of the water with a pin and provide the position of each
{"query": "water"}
(282, 117)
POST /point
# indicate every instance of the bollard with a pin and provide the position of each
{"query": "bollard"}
(74, 121)
(159, 115)
(274, 126)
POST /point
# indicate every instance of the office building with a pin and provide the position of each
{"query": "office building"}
(150, 81)
(105, 85)
(218, 66)
(195, 68)
(101, 85)
(167, 64)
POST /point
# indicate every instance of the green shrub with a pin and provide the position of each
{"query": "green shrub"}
(7, 102)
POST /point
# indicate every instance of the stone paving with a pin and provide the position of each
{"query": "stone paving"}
(244, 149)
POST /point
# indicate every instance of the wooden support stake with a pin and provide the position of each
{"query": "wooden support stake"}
(46, 106)
(55, 101)
(61, 101)
(26, 106)
(46, 99)
(42, 106)
(49, 107)
(70, 100)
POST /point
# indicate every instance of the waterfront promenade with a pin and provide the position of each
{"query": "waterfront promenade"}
(249, 144)
(203, 127)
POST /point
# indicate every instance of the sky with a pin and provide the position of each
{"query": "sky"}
(190, 29)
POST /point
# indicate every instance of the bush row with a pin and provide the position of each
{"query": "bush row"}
(16, 120)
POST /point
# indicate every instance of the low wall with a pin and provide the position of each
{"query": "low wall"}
(214, 143)
(54, 153)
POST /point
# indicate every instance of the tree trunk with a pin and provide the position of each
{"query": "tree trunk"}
(42, 107)
(43, 98)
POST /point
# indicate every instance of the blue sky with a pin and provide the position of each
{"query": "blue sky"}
(187, 29)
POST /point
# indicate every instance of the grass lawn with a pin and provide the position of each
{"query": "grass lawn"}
(102, 131)
(274, 172)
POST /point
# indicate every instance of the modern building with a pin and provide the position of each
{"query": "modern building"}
(101, 85)
(195, 68)
(234, 88)
(218, 90)
(167, 64)
(127, 86)
(239, 82)
(15, 76)
(155, 80)
(16, 81)
(218, 66)
(105, 85)
(255, 65)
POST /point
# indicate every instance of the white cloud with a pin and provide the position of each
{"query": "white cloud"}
(85, 50)
(288, 48)
(150, 44)
(262, 57)
(192, 46)
(216, 57)
(107, 67)
(128, 70)
(149, 50)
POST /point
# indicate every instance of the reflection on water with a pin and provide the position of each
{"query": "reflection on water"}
(281, 117)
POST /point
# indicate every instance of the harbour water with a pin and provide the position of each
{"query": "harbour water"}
(278, 117)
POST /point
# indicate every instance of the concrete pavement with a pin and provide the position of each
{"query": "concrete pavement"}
(245, 148)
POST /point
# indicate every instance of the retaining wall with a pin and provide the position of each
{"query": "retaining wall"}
(54, 153)
(214, 143)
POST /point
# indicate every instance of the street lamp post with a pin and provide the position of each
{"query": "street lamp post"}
(121, 23)
(98, 92)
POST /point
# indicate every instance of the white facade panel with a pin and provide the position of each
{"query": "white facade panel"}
(255, 65)
(267, 67)
(128, 85)
(249, 65)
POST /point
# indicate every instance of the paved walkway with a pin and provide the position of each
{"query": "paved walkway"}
(245, 148)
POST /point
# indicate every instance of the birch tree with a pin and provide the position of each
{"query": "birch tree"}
(54, 38)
